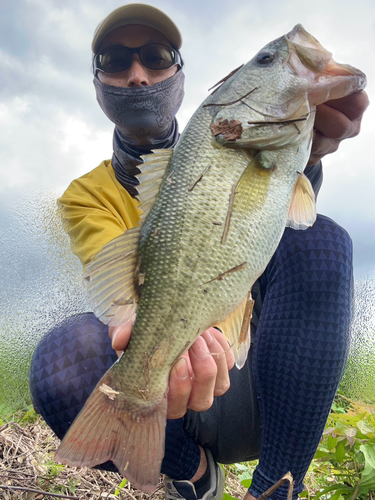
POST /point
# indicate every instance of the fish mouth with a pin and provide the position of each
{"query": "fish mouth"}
(308, 58)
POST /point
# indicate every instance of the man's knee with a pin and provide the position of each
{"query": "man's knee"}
(324, 246)
(66, 365)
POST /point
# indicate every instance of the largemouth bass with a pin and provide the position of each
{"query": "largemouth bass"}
(213, 213)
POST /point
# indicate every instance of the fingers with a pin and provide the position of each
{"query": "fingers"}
(200, 374)
(204, 368)
(197, 390)
(219, 336)
(353, 106)
(221, 352)
(341, 118)
(337, 120)
(321, 147)
(180, 384)
(120, 335)
(335, 124)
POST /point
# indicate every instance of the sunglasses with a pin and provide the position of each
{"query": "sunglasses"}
(119, 58)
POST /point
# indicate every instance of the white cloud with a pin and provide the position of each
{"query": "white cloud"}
(49, 149)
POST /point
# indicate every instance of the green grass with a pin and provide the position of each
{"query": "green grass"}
(344, 464)
(359, 378)
(14, 369)
(25, 415)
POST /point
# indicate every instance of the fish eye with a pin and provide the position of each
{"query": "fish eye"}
(265, 58)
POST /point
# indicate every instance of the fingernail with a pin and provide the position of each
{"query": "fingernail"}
(182, 370)
(114, 335)
(200, 348)
(208, 337)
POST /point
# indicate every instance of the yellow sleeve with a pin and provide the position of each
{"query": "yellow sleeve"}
(96, 209)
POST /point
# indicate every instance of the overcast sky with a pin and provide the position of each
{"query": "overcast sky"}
(52, 129)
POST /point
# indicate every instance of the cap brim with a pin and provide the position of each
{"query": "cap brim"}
(137, 13)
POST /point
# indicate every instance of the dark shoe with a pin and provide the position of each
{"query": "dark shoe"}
(185, 490)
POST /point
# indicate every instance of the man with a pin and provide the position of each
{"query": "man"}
(274, 408)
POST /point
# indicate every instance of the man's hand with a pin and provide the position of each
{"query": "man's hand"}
(335, 121)
(198, 376)
(120, 335)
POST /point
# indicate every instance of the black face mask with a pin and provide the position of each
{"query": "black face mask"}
(144, 119)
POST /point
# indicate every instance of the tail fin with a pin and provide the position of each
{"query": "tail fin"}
(106, 429)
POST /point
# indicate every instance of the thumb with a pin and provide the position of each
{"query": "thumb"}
(120, 334)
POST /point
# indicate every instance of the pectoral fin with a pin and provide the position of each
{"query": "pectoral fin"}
(302, 211)
(249, 194)
(236, 329)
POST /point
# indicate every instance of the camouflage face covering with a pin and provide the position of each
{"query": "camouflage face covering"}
(144, 119)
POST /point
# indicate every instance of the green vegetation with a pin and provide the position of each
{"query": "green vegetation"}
(359, 378)
(344, 464)
(14, 391)
(343, 468)
(22, 417)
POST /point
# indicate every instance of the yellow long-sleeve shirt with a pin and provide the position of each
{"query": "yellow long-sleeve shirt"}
(95, 209)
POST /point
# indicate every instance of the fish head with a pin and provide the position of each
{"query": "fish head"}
(326, 79)
(280, 85)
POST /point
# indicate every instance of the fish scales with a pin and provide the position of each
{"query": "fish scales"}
(187, 221)
(176, 215)
(233, 183)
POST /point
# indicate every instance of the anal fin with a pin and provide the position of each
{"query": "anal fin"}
(236, 328)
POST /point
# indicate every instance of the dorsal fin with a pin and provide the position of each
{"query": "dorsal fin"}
(236, 328)
(152, 173)
(111, 275)
(302, 211)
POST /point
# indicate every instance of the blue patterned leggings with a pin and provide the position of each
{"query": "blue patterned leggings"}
(277, 405)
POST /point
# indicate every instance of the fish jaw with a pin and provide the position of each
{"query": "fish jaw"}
(326, 78)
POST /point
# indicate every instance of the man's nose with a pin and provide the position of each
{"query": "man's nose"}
(137, 76)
